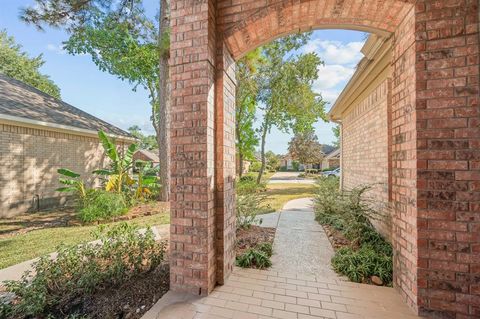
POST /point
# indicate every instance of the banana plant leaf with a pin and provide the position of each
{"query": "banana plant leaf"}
(67, 172)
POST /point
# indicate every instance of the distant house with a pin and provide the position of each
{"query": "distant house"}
(332, 159)
(147, 156)
(38, 135)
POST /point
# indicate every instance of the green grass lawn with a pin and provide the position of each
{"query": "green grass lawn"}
(280, 194)
(22, 247)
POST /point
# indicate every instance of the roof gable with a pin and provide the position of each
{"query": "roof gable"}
(20, 100)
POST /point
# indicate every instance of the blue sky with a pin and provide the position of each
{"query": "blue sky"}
(104, 96)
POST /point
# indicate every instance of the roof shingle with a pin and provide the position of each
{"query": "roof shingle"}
(21, 100)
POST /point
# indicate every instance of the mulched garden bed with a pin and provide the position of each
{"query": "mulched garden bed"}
(253, 236)
(336, 238)
(66, 216)
(130, 300)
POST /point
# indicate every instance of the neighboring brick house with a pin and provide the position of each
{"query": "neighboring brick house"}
(147, 156)
(362, 110)
(331, 160)
(38, 135)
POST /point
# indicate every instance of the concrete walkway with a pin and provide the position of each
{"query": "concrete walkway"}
(289, 178)
(300, 284)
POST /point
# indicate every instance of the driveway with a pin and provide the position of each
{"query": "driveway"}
(289, 178)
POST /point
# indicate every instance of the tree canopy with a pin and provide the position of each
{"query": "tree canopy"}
(288, 101)
(17, 64)
(305, 147)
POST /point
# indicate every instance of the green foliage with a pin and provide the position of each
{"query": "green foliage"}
(351, 214)
(254, 258)
(246, 179)
(305, 147)
(246, 103)
(118, 174)
(249, 186)
(248, 207)
(147, 142)
(147, 183)
(296, 166)
(102, 205)
(18, 65)
(255, 166)
(359, 265)
(73, 184)
(336, 133)
(77, 271)
(273, 161)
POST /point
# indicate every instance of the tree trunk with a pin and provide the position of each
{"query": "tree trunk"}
(163, 136)
(240, 164)
(262, 153)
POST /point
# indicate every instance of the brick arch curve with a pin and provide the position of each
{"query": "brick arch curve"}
(435, 133)
(260, 26)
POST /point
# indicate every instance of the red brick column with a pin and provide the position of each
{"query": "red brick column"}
(192, 239)
(448, 152)
(225, 162)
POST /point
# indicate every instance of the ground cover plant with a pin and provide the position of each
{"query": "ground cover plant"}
(70, 283)
(361, 252)
(254, 243)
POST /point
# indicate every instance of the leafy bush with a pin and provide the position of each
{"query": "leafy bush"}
(80, 270)
(258, 257)
(359, 265)
(72, 184)
(249, 187)
(255, 166)
(351, 214)
(248, 207)
(247, 178)
(102, 205)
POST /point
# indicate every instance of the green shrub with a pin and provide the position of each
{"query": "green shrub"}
(359, 265)
(247, 178)
(102, 205)
(80, 270)
(255, 166)
(266, 248)
(249, 187)
(254, 258)
(248, 206)
(351, 214)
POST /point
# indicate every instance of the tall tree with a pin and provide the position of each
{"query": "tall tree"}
(147, 142)
(305, 147)
(16, 64)
(246, 105)
(285, 89)
(122, 41)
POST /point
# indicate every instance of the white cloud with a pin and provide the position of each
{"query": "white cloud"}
(58, 49)
(336, 52)
(330, 76)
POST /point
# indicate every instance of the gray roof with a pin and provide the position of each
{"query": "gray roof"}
(21, 100)
(327, 149)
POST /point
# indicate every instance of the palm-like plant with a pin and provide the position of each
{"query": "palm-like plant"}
(118, 173)
(72, 182)
(147, 179)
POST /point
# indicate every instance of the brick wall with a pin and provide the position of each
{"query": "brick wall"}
(433, 141)
(404, 161)
(448, 152)
(29, 161)
(365, 149)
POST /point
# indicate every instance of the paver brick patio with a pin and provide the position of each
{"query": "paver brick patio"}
(261, 294)
(304, 288)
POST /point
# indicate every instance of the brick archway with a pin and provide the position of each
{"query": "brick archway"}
(435, 136)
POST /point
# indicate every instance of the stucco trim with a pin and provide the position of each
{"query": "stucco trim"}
(20, 121)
